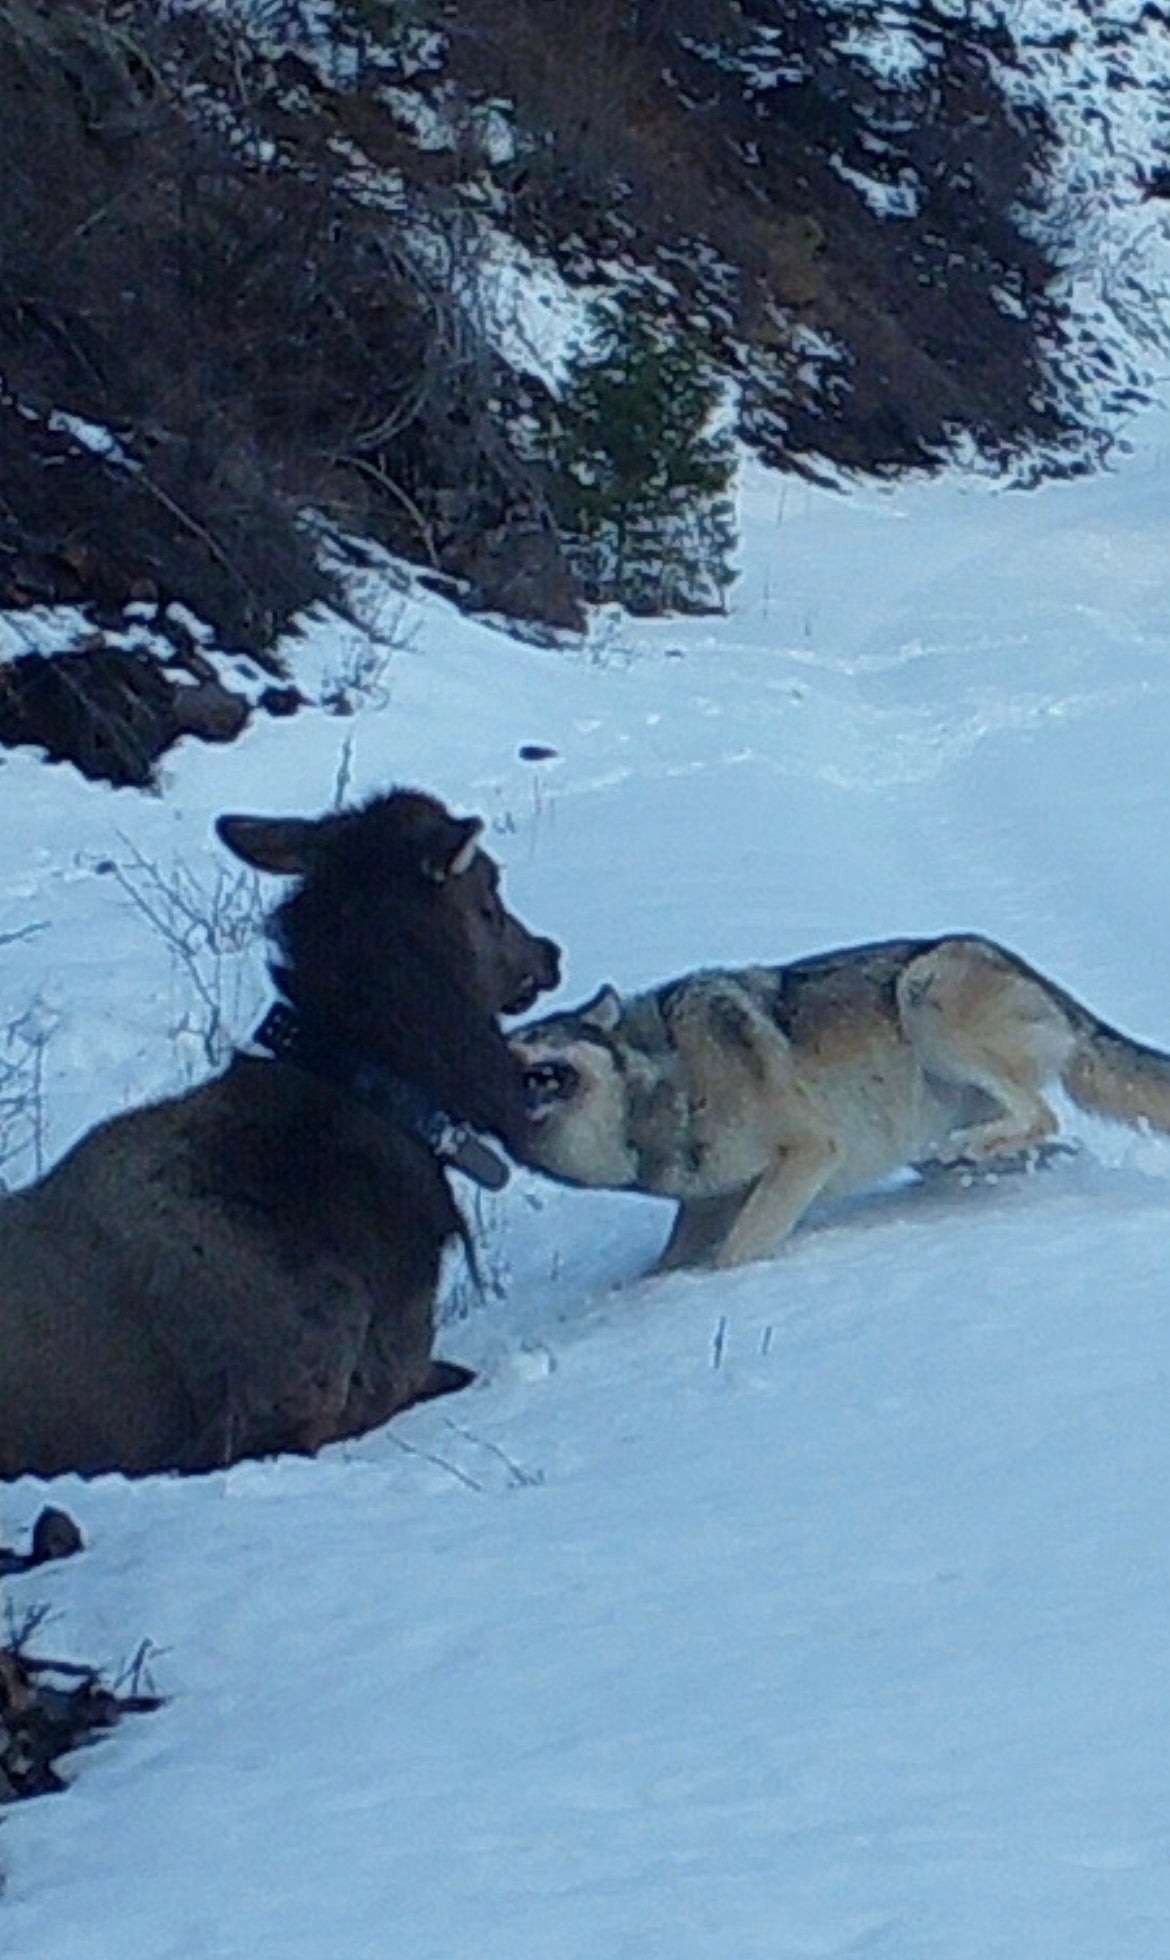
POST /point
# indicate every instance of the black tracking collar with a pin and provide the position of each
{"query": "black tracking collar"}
(287, 1038)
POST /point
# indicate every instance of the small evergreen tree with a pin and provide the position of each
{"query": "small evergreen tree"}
(644, 476)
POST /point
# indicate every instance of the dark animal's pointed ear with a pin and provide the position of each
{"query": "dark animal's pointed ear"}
(452, 856)
(281, 845)
(604, 1011)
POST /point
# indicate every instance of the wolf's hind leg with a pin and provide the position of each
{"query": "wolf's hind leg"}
(779, 1199)
(1026, 1125)
(1013, 1163)
(977, 1020)
(700, 1224)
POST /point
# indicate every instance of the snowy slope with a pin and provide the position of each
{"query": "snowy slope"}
(816, 1609)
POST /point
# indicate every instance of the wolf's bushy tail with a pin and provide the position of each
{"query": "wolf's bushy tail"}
(1112, 1076)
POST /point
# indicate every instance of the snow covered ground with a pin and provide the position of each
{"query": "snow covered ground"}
(815, 1611)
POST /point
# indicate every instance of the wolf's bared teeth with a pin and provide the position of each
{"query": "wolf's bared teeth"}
(548, 1082)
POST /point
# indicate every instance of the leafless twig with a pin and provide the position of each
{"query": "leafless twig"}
(208, 928)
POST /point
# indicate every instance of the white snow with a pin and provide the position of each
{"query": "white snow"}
(815, 1611)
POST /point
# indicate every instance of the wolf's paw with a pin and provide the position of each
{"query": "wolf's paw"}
(987, 1170)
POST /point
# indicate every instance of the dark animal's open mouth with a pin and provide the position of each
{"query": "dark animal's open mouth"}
(525, 996)
(548, 1083)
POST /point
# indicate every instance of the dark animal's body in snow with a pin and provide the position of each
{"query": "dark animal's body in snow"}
(252, 1266)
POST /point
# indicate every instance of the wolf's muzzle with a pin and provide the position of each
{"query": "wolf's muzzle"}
(549, 1083)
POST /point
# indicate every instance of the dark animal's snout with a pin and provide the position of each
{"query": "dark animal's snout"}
(548, 965)
(536, 967)
(515, 965)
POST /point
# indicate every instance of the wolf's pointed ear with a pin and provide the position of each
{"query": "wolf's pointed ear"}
(281, 845)
(604, 1011)
(458, 849)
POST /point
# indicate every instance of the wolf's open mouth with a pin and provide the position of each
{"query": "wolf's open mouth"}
(546, 1083)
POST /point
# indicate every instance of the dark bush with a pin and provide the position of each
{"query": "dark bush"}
(258, 334)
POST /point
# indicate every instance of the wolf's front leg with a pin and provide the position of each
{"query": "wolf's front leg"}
(700, 1225)
(779, 1199)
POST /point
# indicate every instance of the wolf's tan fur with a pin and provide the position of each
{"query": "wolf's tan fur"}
(746, 1095)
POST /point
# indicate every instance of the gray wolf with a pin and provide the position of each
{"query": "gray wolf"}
(252, 1266)
(747, 1095)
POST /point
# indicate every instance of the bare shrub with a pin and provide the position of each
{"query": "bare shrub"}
(211, 928)
(49, 1708)
(23, 1042)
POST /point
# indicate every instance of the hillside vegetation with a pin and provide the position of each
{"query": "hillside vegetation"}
(245, 253)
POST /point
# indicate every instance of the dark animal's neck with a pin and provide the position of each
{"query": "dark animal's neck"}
(446, 1048)
(288, 1036)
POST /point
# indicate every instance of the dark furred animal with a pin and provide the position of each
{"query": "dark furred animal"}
(252, 1266)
